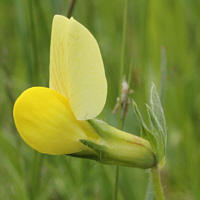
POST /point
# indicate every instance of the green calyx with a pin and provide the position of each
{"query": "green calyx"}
(118, 148)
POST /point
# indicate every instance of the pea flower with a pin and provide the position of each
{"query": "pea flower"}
(60, 119)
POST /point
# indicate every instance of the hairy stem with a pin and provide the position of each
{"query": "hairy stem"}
(156, 180)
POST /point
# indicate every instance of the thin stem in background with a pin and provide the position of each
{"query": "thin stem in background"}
(149, 192)
(163, 76)
(122, 63)
(126, 104)
(8, 83)
(70, 8)
(38, 157)
(35, 178)
(120, 124)
(35, 64)
(116, 183)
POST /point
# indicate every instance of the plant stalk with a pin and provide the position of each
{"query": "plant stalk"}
(120, 120)
(35, 64)
(70, 8)
(116, 182)
(35, 179)
(156, 180)
(38, 157)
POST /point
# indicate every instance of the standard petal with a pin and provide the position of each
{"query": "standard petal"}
(58, 55)
(46, 123)
(79, 68)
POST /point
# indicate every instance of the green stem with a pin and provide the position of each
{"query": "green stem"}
(35, 65)
(156, 180)
(35, 179)
(120, 122)
(116, 182)
(163, 76)
(70, 8)
(127, 96)
(38, 157)
(122, 62)
(149, 192)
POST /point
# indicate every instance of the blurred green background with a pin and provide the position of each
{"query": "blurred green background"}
(25, 29)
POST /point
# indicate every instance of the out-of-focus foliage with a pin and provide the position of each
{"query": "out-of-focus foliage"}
(25, 28)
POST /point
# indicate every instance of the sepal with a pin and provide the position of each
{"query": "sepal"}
(119, 148)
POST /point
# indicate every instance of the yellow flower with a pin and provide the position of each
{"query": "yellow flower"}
(54, 120)
(49, 121)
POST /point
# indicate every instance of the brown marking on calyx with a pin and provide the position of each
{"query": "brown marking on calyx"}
(136, 143)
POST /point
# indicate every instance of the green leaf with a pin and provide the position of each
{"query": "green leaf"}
(158, 123)
(158, 110)
(157, 136)
(160, 152)
(145, 132)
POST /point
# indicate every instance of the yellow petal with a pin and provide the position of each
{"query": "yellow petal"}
(76, 68)
(46, 123)
(58, 55)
